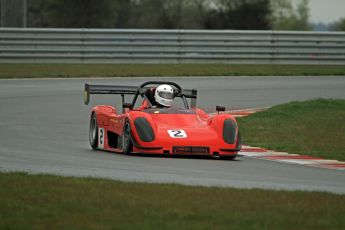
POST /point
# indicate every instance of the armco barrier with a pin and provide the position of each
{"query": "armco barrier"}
(170, 46)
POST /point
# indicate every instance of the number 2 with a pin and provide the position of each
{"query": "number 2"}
(177, 133)
(101, 138)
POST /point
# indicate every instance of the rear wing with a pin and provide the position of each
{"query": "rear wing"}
(131, 90)
(107, 89)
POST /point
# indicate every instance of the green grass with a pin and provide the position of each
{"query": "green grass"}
(315, 128)
(127, 70)
(53, 202)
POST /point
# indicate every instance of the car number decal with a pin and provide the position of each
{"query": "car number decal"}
(101, 138)
(177, 133)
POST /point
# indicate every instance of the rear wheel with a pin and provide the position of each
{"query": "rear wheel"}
(126, 138)
(93, 132)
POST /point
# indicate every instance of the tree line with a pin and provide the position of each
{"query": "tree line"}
(167, 14)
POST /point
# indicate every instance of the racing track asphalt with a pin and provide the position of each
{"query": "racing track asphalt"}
(44, 129)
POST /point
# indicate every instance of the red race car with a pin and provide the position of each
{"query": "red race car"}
(177, 127)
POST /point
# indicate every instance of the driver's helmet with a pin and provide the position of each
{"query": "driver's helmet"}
(164, 95)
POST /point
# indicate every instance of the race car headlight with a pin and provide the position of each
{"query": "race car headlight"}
(144, 129)
(229, 131)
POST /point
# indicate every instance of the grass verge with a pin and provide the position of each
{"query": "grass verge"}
(127, 70)
(314, 127)
(53, 202)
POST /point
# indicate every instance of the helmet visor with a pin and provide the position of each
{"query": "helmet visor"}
(166, 95)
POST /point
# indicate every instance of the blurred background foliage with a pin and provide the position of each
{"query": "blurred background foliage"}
(160, 14)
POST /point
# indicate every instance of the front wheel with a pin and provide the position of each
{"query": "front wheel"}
(93, 132)
(231, 157)
(228, 157)
(126, 138)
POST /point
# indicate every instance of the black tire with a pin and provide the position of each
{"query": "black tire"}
(238, 146)
(93, 132)
(228, 157)
(126, 138)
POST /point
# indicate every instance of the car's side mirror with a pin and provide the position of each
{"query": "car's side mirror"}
(220, 108)
(127, 106)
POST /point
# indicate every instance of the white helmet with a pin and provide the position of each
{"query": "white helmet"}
(164, 95)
